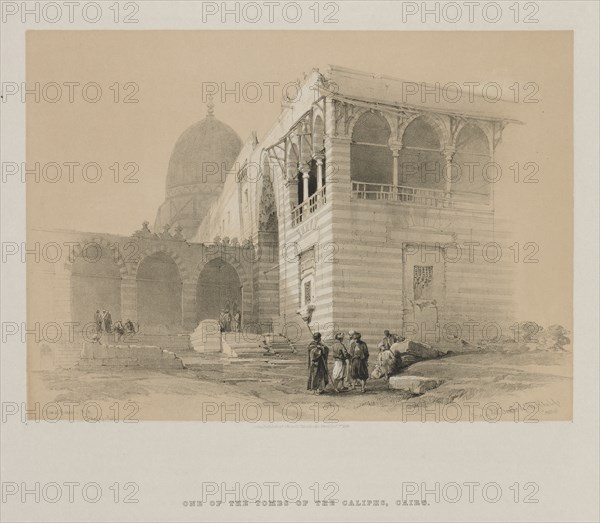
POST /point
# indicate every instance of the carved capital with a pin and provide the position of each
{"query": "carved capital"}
(304, 169)
(449, 153)
(395, 146)
(319, 157)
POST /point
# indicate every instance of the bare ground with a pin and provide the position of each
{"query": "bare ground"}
(490, 386)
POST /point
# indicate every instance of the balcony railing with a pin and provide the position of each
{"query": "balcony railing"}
(398, 193)
(301, 212)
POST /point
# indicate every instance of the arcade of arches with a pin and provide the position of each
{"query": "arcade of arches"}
(167, 290)
(420, 158)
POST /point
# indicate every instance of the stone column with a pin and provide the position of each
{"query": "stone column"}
(395, 153)
(395, 147)
(448, 155)
(319, 159)
(188, 305)
(305, 170)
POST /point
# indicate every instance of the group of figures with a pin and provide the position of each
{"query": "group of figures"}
(350, 361)
(104, 324)
(230, 321)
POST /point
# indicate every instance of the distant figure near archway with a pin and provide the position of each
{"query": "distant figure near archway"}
(218, 289)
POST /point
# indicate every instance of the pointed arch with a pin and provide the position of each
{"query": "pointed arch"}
(371, 159)
(421, 162)
(232, 260)
(472, 156)
(437, 123)
(318, 134)
(371, 127)
(163, 248)
(159, 280)
(471, 135)
(218, 288)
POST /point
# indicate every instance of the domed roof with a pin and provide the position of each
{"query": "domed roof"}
(206, 142)
(197, 168)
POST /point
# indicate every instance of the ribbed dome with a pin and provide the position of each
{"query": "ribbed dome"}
(197, 168)
(208, 141)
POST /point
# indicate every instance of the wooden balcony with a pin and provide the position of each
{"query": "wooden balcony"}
(420, 196)
(308, 207)
(398, 193)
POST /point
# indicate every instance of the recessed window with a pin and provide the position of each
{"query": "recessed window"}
(422, 282)
(307, 292)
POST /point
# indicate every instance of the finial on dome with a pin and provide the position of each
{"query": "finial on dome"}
(210, 106)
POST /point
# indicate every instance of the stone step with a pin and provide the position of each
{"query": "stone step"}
(165, 341)
(257, 352)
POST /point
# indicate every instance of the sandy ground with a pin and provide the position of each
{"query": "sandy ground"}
(488, 387)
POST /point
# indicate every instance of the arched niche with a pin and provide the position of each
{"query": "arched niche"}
(218, 288)
(471, 159)
(420, 162)
(371, 159)
(318, 134)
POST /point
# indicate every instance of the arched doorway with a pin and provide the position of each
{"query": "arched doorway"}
(95, 285)
(159, 289)
(218, 288)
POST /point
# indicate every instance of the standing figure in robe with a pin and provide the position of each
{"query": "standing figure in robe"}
(359, 358)
(318, 374)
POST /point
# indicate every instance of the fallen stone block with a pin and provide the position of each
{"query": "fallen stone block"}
(422, 351)
(414, 384)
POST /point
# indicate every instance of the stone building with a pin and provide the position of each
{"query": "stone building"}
(355, 202)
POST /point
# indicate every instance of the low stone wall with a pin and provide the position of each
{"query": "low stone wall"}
(96, 355)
